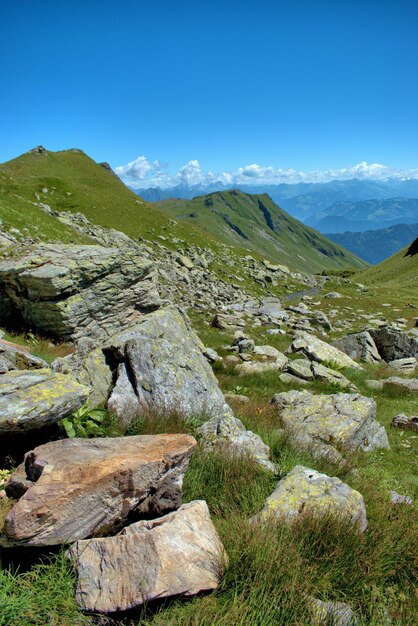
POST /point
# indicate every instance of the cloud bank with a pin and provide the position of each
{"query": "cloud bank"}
(142, 173)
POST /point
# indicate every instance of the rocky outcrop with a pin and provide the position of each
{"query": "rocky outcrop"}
(226, 432)
(407, 384)
(359, 346)
(31, 399)
(394, 344)
(79, 488)
(307, 492)
(14, 357)
(161, 369)
(328, 425)
(317, 350)
(178, 554)
(302, 370)
(69, 291)
(403, 366)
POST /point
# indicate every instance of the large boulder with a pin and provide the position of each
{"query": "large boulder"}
(328, 425)
(79, 488)
(178, 554)
(394, 344)
(317, 350)
(407, 384)
(71, 291)
(31, 399)
(307, 491)
(359, 346)
(14, 357)
(161, 369)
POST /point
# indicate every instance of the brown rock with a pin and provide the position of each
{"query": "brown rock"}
(87, 487)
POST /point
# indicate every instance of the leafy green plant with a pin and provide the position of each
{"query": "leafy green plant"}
(85, 422)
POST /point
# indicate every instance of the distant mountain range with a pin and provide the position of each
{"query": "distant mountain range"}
(376, 245)
(340, 205)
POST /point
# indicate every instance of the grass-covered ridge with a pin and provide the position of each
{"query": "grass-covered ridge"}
(258, 224)
(396, 272)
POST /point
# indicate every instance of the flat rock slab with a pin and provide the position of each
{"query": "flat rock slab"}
(34, 398)
(409, 384)
(178, 554)
(14, 357)
(162, 369)
(317, 350)
(306, 491)
(326, 425)
(71, 291)
(78, 488)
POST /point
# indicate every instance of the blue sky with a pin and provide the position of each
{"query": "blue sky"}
(299, 84)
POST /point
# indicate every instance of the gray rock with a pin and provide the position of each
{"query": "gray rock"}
(178, 554)
(14, 357)
(306, 491)
(291, 379)
(394, 344)
(405, 366)
(403, 421)
(261, 367)
(227, 322)
(69, 291)
(326, 425)
(397, 498)
(228, 433)
(317, 350)
(333, 295)
(162, 370)
(268, 351)
(409, 384)
(87, 487)
(331, 613)
(359, 346)
(31, 399)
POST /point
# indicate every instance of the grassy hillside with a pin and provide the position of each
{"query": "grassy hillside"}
(256, 223)
(399, 271)
(69, 180)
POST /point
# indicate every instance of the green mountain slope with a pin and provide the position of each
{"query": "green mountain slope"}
(256, 223)
(400, 270)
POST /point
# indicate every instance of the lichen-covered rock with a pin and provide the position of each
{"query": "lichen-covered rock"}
(78, 488)
(359, 346)
(162, 370)
(178, 554)
(307, 491)
(310, 370)
(317, 350)
(228, 433)
(327, 425)
(34, 398)
(14, 357)
(260, 367)
(394, 344)
(408, 384)
(404, 366)
(331, 613)
(71, 291)
(403, 421)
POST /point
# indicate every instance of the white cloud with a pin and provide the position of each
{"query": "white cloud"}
(142, 173)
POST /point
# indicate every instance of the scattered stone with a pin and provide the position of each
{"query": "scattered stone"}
(178, 554)
(261, 367)
(405, 422)
(229, 433)
(31, 399)
(184, 261)
(317, 350)
(290, 379)
(396, 497)
(211, 355)
(227, 322)
(306, 491)
(326, 425)
(359, 346)
(331, 613)
(405, 366)
(374, 384)
(79, 488)
(409, 384)
(235, 397)
(333, 295)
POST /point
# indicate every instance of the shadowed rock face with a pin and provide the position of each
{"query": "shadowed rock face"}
(68, 291)
(328, 425)
(178, 554)
(14, 357)
(394, 344)
(78, 488)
